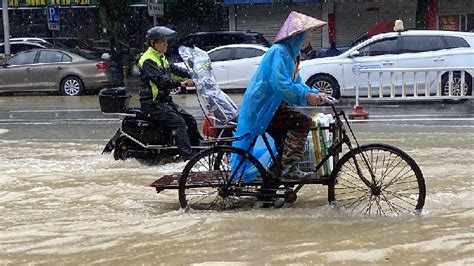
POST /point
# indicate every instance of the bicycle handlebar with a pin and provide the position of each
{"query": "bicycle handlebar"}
(330, 99)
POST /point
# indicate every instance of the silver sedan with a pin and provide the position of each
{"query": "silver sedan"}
(55, 70)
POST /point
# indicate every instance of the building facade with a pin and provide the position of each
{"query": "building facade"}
(347, 19)
(78, 18)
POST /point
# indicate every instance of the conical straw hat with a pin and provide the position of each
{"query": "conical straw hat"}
(296, 23)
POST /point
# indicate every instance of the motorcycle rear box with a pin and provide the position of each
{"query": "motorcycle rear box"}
(114, 100)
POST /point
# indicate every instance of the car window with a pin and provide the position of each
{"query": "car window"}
(220, 55)
(17, 47)
(259, 39)
(201, 42)
(241, 53)
(236, 39)
(222, 39)
(23, 58)
(53, 57)
(455, 42)
(188, 41)
(381, 47)
(418, 44)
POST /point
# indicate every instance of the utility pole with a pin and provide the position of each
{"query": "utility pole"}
(6, 29)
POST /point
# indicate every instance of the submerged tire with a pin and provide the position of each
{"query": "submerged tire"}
(126, 148)
(206, 182)
(398, 181)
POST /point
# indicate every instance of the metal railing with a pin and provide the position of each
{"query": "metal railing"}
(414, 83)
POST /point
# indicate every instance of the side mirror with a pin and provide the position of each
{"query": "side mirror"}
(105, 56)
(2, 56)
(354, 54)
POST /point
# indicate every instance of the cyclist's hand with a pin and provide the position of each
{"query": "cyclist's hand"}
(187, 83)
(330, 99)
(315, 99)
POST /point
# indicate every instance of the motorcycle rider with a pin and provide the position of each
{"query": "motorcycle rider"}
(158, 78)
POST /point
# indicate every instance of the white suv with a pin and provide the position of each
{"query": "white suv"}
(339, 75)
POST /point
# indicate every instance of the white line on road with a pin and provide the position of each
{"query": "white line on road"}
(55, 111)
(414, 119)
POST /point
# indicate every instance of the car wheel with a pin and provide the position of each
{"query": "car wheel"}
(325, 84)
(456, 84)
(72, 86)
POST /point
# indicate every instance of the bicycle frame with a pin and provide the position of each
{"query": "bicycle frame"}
(335, 149)
(340, 137)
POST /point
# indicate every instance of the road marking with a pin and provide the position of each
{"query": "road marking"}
(51, 111)
(414, 119)
(415, 115)
(54, 121)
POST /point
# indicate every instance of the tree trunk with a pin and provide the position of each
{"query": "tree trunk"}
(112, 14)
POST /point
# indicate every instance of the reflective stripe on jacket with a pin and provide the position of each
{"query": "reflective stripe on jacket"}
(160, 61)
(158, 78)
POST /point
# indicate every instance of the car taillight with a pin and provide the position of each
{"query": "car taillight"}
(102, 65)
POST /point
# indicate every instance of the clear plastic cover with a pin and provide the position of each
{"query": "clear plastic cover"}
(218, 105)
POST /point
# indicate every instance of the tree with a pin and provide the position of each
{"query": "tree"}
(112, 16)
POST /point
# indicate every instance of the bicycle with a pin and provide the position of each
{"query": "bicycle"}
(375, 179)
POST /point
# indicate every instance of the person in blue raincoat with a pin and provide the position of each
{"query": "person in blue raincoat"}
(274, 88)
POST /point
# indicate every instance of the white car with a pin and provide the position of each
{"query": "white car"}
(33, 39)
(233, 65)
(339, 75)
(19, 46)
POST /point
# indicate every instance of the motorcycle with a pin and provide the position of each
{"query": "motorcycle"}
(152, 143)
(140, 138)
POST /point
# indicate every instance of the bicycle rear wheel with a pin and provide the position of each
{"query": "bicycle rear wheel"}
(207, 182)
(398, 183)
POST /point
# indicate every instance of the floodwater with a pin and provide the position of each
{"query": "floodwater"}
(62, 202)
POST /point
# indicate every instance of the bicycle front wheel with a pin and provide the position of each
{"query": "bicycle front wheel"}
(396, 182)
(208, 183)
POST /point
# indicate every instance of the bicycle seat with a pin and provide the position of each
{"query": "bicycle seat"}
(231, 124)
(226, 126)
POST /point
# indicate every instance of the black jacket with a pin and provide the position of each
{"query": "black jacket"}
(161, 76)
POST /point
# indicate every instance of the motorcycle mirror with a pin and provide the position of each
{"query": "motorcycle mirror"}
(105, 56)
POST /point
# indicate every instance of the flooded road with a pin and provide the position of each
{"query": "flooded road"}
(62, 202)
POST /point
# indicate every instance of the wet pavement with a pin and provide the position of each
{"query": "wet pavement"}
(63, 202)
(49, 108)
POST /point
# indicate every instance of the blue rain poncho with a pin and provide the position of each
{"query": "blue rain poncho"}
(270, 85)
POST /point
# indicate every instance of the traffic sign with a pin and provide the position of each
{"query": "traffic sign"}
(155, 8)
(53, 17)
